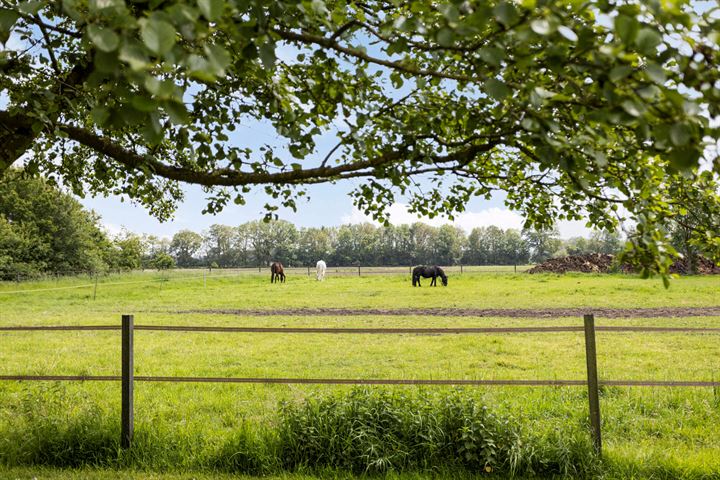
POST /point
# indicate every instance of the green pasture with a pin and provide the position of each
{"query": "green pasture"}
(648, 432)
(71, 299)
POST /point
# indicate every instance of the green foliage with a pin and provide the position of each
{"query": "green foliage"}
(572, 109)
(51, 427)
(163, 261)
(184, 246)
(542, 243)
(373, 431)
(43, 230)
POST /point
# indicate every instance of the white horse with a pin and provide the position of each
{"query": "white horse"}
(321, 267)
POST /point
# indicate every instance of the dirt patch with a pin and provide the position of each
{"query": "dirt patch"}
(476, 312)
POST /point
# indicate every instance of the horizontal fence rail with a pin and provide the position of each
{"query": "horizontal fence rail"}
(350, 330)
(362, 381)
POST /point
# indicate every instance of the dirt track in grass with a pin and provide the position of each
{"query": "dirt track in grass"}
(476, 312)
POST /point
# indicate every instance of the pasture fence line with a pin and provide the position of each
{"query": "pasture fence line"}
(128, 378)
(354, 270)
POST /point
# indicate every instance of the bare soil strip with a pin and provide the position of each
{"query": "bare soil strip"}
(474, 312)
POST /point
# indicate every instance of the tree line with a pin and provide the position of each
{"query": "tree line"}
(44, 230)
(257, 243)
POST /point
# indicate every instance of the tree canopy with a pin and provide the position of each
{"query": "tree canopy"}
(597, 109)
(43, 230)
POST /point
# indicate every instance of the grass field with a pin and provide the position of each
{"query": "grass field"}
(648, 432)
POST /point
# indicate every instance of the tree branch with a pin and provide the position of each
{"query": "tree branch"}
(310, 39)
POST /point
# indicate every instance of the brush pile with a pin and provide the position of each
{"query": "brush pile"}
(703, 266)
(590, 263)
(604, 263)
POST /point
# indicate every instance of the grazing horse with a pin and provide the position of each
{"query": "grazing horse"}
(277, 272)
(428, 272)
(321, 267)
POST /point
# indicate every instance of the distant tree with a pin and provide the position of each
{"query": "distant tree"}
(542, 243)
(517, 250)
(424, 243)
(357, 245)
(128, 252)
(45, 230)
(163, 261)
(242, 245)
(315, 244)
(275, 240)
(606, 241)
(219, 245)
(577, 246)
(184, 246)
(450, 245)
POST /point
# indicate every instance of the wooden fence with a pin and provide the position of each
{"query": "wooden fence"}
(592, 381)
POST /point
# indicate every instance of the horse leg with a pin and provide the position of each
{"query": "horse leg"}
(282, 277)
(272, 277)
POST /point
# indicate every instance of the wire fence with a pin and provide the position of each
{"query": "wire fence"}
(104, 279)
(353, 270)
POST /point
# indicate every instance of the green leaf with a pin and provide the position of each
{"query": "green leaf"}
(647, 40)
(177, 112)
(99, 115)
(541, 26)
(267, 55)
(157, 35)
(218, 59)
(445, 36)
(97, 6)
(103, 38)
(492, 55)
(134, 55)
(106, 61)
(633, 108)
(505, 13)
(211, 9)
(626, 28)
(568, 33)
(680, 134)
(620, 72)
(30, 8)
(450, 12)
(200, 68)
(496, 89)
(655, 73)
(684, 158)
(144, 104)
(7, 20)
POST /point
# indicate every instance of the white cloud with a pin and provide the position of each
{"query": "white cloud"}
(499, 217)
(111, 229)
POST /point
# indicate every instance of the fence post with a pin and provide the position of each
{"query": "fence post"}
(308, 270)
(515, 266)
(592, 379)
(126, 427)
(461, 269)
(204, 279)
(95, 289)
(358, 270)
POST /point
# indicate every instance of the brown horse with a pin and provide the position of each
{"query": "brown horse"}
(277, 272)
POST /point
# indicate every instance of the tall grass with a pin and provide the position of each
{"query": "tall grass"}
(375, 431)
(363, 431)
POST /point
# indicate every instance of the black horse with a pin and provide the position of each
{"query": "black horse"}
(428, 272)
(277, 272)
